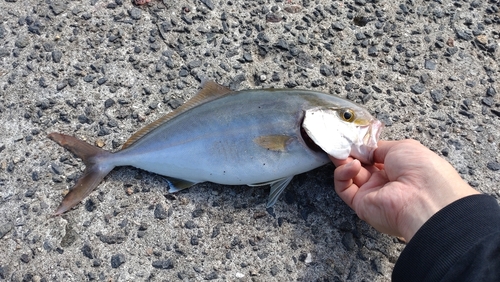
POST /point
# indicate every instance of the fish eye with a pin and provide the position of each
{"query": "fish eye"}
(347, 115)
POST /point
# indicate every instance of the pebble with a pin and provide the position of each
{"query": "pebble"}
(488, 101)
(83, 119)
(273, 18)
(418, 88)
(372, 51)
(36, 27)
(160, 212)
(464, 34)
(102, 80)
(437, 95)
(338, 26)
(194, 240)
(325, 70)
(163, 264)
(5, 228)
(187, 19)
(495, 112)
(174, 103)
(112, 239)
(58, 7)
(247, 57)
(190, 224)
(61, 85)
(22, 41)
(117, 260)
(153, 105)
(42, 82)
(194, 64)
(430, 64)
(86, 16)
(348, 241)
(491, 92)
(109, 103)
(483, 39)
(494, 166)
(72, 82)
(90, 205)
(208, 3)
(103, 131)
(360, 36)
(212, 276)
(89, 78)
(424, 78)
(87, 251)
(282, 44)
(100, 142)
(56, 168)
(56, 56)
(25, 258)
(135, 13)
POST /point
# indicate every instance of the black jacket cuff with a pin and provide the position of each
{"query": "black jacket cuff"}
(446, 237)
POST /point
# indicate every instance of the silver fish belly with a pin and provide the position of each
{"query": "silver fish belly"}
(248, 137)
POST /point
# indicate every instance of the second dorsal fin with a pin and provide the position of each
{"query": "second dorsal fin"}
(210, 91)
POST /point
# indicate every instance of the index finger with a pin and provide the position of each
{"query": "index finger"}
(383, 148)
(338, 162)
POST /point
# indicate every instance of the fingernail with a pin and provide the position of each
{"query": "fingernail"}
(348, 165)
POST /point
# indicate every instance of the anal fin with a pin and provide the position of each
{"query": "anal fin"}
(176, 185)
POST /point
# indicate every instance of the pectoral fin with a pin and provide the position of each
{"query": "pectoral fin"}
(273, 142)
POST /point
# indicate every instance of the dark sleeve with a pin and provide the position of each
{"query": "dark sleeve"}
(461, 242)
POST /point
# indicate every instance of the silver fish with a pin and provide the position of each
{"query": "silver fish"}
(253, 137)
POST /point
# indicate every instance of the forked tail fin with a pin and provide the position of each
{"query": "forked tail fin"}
(95, 169)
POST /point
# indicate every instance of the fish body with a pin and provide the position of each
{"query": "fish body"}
(251, 137)
(219, 141)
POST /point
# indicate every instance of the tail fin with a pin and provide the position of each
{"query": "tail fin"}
(95, 169)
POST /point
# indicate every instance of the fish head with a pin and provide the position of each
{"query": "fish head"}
(343, 131)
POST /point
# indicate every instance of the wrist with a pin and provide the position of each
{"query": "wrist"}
(425, 206)
(413, 219)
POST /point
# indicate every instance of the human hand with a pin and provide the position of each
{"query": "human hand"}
(406, 186)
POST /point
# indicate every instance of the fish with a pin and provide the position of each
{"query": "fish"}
(250, 137)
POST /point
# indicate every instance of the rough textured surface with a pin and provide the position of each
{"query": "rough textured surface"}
(100, 70)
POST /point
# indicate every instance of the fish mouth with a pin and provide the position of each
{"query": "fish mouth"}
(370, 140)
(373, 133)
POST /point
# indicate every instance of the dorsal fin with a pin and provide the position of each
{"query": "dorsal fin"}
(210, 91)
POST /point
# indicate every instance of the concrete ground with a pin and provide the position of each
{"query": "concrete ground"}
(100, 70)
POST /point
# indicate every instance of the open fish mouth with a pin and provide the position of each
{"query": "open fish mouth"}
(369, 142)
(373, 133)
